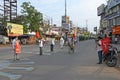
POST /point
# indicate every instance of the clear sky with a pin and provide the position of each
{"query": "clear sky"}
(78, 10)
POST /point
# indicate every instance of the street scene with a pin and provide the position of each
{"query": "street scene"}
(59, 40)
(56, 65)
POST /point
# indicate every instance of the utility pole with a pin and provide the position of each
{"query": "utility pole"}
(86, 25)
(66, 33)
(65, 10)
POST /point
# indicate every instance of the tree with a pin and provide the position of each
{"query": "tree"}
(32, 17)
(3, 30)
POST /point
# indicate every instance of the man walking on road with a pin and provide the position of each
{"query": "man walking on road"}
(52, 43)
(61, 42)
(41, 45)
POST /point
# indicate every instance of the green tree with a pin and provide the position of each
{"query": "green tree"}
(32, 17)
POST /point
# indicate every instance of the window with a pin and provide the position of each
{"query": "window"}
(110, 11)
(117, 20)
(114, 9)
(117, 8)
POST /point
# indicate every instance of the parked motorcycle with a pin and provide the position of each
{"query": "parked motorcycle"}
(111, 58)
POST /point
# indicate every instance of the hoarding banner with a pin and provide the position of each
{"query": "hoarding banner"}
(100, 10)
(14, 29)
(116, 30)
(65, 22)
(63, 19)
(95, 29)
(112, 3)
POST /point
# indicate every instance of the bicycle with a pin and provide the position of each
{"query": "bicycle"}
(71, 47)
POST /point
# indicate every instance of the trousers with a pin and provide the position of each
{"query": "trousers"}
(100, 56)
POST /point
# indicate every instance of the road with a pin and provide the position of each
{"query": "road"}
(57, 65)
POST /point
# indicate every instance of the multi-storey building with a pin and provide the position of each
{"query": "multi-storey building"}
(110, 18)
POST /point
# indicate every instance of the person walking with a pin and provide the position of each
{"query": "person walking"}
(61, 42)
(52, 44)
(13, 44)
(16, 48)
(99, 49)
(116, 40)
(41, 46)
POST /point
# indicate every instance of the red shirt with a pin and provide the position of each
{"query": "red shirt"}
(105, 45)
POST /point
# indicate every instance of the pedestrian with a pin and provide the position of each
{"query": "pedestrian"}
(52, 43)
(116, 40)
(61, 42)
(99, 49)
(13, 44)
(16, 47)
(71, 42)
(41, 41)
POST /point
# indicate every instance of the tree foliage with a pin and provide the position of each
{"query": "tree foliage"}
(31, 17)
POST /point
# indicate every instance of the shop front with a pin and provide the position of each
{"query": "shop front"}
(116, 33)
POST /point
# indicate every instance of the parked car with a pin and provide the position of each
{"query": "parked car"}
(4, 39)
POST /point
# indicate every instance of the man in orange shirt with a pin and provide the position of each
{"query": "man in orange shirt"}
(16, 48)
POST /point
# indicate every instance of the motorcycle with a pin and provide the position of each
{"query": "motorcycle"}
(111, 58)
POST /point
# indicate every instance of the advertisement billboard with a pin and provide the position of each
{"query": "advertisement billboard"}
(67, 19)
(95, 29)
(14, 29)
(100, 10)
(116, 30)
(104, 23)
(65, 22)
(63, 19)
(112, 3)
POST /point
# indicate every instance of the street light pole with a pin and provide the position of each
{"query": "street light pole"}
(65, 10)
(86, 25)
(66, 33)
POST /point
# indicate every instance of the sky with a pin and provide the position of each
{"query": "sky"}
(79, 11)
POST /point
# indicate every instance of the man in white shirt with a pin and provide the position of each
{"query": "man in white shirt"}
(41, 45)
(61, 42)
(13, 43)
(99, 50)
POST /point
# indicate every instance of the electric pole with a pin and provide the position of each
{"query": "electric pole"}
(86, 25)
(65, 10)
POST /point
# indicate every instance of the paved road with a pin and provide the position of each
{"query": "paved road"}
(57, 65)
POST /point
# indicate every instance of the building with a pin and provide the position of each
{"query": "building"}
(110, 18)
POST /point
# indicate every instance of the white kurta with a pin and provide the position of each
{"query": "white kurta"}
(61, 41)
